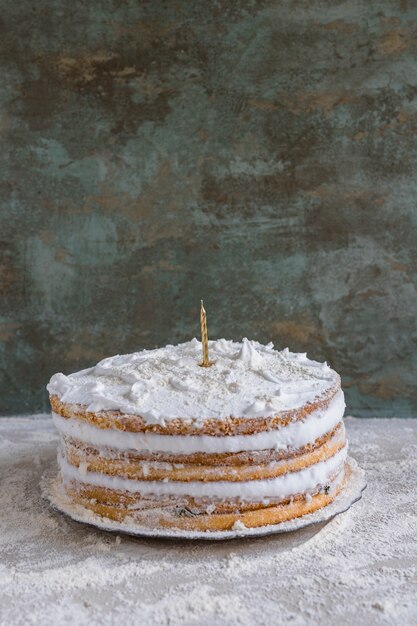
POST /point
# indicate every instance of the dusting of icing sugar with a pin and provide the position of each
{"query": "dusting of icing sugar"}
(247, 379)
(359, 568)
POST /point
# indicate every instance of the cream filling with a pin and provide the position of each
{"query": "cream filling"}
(284, 486)
(294, 435)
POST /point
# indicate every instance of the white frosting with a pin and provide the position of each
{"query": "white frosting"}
(294, 435)
(247, 379)
(283, 486)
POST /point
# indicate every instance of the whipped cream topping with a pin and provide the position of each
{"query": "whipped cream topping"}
(292, 436)
(289, 484)
(247, 379)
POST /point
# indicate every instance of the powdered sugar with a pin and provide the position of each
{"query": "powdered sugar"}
(360, 568)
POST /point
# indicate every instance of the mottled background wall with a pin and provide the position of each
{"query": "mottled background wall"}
(261, 155)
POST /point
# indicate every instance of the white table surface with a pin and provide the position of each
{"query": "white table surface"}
(360, 568)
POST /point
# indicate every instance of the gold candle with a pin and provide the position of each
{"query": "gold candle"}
(204, 337)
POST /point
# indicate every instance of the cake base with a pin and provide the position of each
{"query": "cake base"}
(54, 493)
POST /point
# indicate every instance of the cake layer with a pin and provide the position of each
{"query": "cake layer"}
(279, 487)
(254, 516)
(294, 435)
(247, 380)
(214, 427)
(155, 470)
(245, 457)
(178, 505)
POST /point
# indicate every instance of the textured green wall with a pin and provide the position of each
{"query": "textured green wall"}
(261, 155)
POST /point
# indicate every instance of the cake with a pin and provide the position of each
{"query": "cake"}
(153, 439)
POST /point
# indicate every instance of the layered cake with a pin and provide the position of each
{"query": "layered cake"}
(152, 438)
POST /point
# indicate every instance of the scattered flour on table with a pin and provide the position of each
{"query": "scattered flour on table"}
(361, 568)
